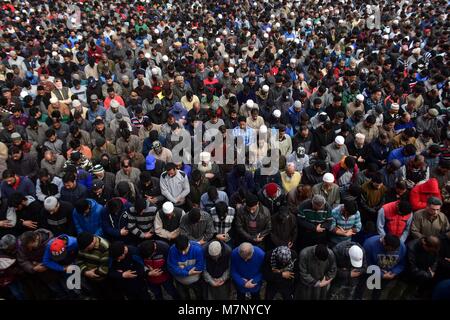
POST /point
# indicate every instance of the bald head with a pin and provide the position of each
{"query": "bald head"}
(246, 251)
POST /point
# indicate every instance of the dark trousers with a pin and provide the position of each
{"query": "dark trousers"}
(254, 296)
(286, 293)
(184, 290)
(168, 287)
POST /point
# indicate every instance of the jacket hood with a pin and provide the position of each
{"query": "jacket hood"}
(429, 186)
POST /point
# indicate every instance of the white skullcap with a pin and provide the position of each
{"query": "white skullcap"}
(214, 249)
(167, 207)
(205, 156)
(231, 69)
(76, 103)
(154, 71)
(50, 203)
(328, 177)
(276, 113)
(265, 88)
(263, 129)
(360, 136)
(200, 39)
(360, 97)
(293, 60)
(147, 55)
(218, 40)
(165, 58)
(297, 104)
(159, 41)
(53, 100)
(339, 140)
(250, 103)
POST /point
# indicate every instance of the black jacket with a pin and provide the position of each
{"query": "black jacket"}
(275, 279)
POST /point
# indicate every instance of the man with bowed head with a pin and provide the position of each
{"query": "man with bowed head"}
(246, 270)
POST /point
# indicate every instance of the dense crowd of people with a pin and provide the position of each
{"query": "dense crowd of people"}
(226, 149)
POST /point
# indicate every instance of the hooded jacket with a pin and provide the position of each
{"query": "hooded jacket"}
(421, 192)
(113, 223)
(27, 258)
(92, 222)
(71, 249)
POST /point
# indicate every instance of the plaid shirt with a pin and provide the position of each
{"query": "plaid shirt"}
(222, 227)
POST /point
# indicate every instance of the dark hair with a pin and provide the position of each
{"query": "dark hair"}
(404, 208)
(117, 249)
(8, 173)
(350, 162)
(181, 242)
(82, 205)
(194, 215)
(409, 149)
(43, 172)
(350, 206)
(69, 177)
(321, 252)
(114, 205)
(212, 193)
(16, 199)
(146, 248)
(391, 241)
(27, 237)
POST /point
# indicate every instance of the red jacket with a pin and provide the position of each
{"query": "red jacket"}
(421, 192)
(394, 223)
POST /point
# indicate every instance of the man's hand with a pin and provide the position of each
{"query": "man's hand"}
(148, 235)
(221, 237)
(209, 175)
(388, 276)
(29, 224)
(290, 244)
(432, 272)
(249, 284)
(40, 268)
(201, 242)
(129, 274)
(123, 232)
(355, 273)
(259, 238)
(152, 199)
(349, 233)
(194, 272)
(155, 273)
(287, 275)
(91, 274)
(5, 224)
(324, 282)
(319, 228)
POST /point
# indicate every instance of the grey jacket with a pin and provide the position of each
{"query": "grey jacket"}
(335, 155)
(202, 230)
(174, 187)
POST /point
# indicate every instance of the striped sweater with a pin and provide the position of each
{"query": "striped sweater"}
(97, 259)
(139, 224)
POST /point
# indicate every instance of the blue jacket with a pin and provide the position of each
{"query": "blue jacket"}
(91, 223)
(180, 264)
(251, 269)
(26, 187)
(112, 224)
(376, 255)
(294, 118)
(234, 182)
(178, 111)
(397, 154)
(71, 249)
